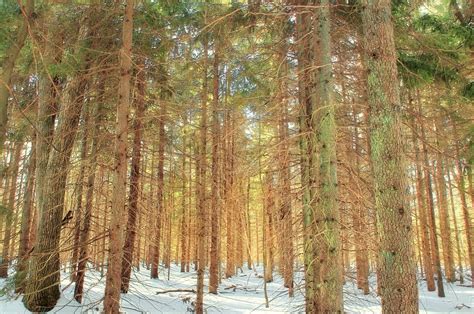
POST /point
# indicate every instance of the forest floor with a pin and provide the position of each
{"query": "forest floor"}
(243, 293)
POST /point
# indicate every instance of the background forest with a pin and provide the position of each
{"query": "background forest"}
(310, 145)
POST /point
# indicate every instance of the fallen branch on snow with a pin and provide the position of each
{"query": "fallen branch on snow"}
(176, 290)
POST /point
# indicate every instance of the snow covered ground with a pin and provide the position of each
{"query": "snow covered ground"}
(243, 293)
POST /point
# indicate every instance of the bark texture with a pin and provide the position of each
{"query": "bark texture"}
(397, 268)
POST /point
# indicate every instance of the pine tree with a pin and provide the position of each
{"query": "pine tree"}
(113, 279)
(397, 266)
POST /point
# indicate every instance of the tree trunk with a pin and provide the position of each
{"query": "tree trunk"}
(79, 194)
(26, 222)
(398, 287)
(445, 228)
(215, 209)
(160, 179)
(468, 225)
(268, 208)
(133, 210)
(85, 230)
(42, 289)
(9, 227)
(201, 189)
(456, 229)
(360, 219)
(421, 202)
(284, 182)
(113, 278)
(430, 207)
(185, 226)
(323, 143)
(303, 25)
(228, 184)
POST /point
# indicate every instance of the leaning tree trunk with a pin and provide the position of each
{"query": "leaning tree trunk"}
(398, 287)
(113, 277)
(42, 289)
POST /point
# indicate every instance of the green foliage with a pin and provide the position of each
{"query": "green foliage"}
(448, 33)
(468, 91)
(469, 152)
(4, 210)
(9, 16)
(432, 48)
(423, 69)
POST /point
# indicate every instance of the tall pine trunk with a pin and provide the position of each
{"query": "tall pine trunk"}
(215, 209)
(131, 231)
(201, 189)
(83, 252)
(323, 142)
(42, 289)
(113, 278)
(398, 287)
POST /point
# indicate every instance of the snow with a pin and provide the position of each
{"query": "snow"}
(242, 293)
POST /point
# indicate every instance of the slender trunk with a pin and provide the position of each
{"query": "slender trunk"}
(9, 227)
(133, 211)
(268, 207)
(421, 202)
(360, 225)
(248, 231)
(304, 82)
(85, 230)
(228, 184)
(468, 225)
(160, 179)
(113, 278)
(285, 215)
(445, 228)
(201, 190)
(213, 267)
(184, 221)
(79, 194)
(430, 208)
(26, 222)
(456, 229)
